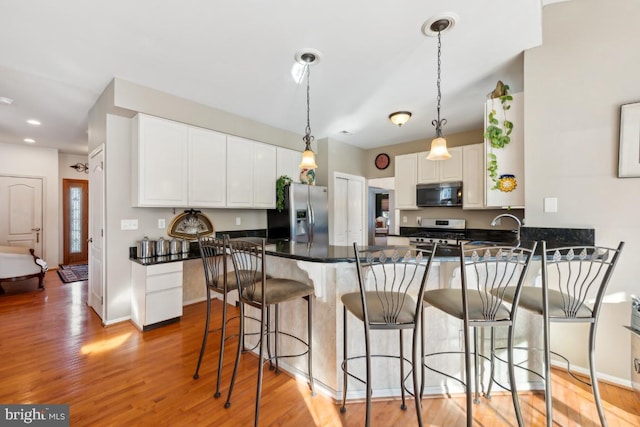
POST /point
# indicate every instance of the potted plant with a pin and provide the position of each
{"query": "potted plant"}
(281, 183)
(498, 133)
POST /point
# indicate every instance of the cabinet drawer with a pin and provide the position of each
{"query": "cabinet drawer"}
(163, 305)
(164, 281)
(168, 267)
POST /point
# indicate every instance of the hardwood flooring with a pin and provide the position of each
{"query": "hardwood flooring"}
(54, 350)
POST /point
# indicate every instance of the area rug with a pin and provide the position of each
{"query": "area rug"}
(73, 273)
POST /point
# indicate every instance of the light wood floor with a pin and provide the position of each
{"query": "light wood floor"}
(53, 350)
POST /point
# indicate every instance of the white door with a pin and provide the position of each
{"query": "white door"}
(340, 212)
(21, 212)
(96, 231)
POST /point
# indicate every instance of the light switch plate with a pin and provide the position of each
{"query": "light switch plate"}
(128, 224)
(238, 220)
(161, 223)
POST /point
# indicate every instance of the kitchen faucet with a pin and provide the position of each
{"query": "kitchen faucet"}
(494, 222)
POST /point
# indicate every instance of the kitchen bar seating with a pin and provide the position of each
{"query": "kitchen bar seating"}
(574, 281)
(221, 281)
(486, 272)
(391, 283)
(257, 289)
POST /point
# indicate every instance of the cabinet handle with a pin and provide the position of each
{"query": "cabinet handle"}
(636, 365)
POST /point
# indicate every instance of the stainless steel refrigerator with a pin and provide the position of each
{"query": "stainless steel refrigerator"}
(304, 218)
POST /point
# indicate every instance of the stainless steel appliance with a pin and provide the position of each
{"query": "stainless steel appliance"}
(305, 217)
(445, 232)
(441, 194)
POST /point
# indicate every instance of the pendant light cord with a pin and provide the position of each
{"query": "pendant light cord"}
(439, 123)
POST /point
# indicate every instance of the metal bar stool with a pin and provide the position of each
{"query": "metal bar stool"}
(486, 273)
(392, 281)
(213, 252)
(258, 290)
(571, 277)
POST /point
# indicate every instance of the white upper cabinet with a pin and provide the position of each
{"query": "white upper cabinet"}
(510, 159)
(207, 168)
(430, 171)
(287, 163)
(251, 174)
(473, 171)
(159, 162)
(406, 177)
(264, 175)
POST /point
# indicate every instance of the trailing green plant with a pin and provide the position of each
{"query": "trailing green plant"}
(498, 133)
(281, 183)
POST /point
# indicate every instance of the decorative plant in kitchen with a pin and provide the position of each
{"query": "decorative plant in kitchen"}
(498, 133)
(281, 183)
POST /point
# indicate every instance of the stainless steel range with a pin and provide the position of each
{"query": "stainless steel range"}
(445, 232)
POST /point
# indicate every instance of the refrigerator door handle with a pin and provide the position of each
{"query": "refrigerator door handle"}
(312, 221)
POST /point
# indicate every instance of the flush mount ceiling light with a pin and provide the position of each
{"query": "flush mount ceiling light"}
(439, 143)
(29, 140)
(308, 157)
(34, 122)
(400, 117)
(6, 101)
(303, 58)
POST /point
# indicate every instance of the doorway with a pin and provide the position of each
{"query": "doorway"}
(75, 199)
(21, 212)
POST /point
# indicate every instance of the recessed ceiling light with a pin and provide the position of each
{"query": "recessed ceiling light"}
(34, 122)
(5, 100)
(29, 140)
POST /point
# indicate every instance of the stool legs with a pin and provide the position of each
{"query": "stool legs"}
(196, 375)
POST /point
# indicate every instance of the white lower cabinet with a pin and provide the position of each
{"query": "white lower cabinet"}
(157, 293)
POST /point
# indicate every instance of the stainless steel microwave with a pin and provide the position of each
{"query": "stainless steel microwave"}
(441, 194)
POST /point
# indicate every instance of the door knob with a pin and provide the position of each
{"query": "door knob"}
(35, 229)
(90, 240)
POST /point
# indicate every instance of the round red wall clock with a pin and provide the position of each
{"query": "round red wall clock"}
(382, 161)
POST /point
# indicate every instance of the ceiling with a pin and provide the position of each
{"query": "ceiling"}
(56, 58)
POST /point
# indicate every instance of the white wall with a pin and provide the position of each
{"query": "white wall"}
(574, 85)
(30, 161)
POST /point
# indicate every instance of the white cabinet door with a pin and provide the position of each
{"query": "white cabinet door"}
(431, 171)
(473, 176)
(287, 163)
(239, 172)
(406, 177)
(510, 158)
(451, 169)
(207, 168)
(264, 175)
(348, 210)
(251, 174)
(428, 170)
(159, 161)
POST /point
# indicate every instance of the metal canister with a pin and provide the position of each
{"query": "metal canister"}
(162, 247)
(186, 244)
(175, 246)
(146, 248)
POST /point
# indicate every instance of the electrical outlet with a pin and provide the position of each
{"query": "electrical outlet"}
(161, 223)
(238, 220)
(404, 219)
(550, 204)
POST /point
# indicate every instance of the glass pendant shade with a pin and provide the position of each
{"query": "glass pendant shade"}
(439, 149)
(308, 160)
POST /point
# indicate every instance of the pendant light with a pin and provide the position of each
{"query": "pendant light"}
(439, 144)
(308, 157)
